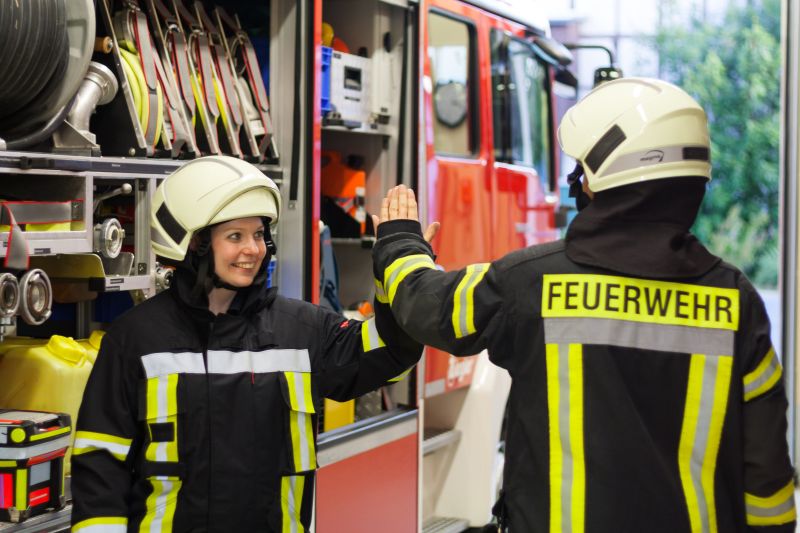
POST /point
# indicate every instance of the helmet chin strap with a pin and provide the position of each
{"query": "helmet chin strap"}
(576, 188)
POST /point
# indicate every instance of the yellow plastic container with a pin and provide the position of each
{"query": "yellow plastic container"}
(338, 414)
(92, 344)
(46, 377)
(15, 342)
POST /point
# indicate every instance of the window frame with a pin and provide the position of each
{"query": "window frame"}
(473, 86)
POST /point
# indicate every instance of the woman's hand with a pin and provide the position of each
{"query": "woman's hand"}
(401, 204)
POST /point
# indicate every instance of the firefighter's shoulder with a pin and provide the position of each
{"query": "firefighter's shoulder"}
(526, 255)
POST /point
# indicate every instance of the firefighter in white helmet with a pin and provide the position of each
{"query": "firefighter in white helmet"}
(646, 393)
(201, 411)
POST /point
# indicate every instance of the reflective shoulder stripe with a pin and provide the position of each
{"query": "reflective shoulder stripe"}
(772, 510)
(102, 524)
(766, 374)
(400, 268)
(380, 293)
(402, 376)
(165, 363)
(463, 302)
(291, 503)
(261, 362)
(90, 441)
(370, 339)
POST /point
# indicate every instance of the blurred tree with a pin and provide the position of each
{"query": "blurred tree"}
(733, 68)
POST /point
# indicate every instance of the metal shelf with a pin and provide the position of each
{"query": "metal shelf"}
(42, 163)
(368, 129)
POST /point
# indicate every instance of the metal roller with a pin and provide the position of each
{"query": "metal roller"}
(36, 297)
(108, 238)
(9, 296)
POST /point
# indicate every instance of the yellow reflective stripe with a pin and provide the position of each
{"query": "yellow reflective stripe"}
(463, 301)
(300, 391)
(6, 464)
(90, 441)
(21, 499)
(400, 268)
(292, 503)
(690, 415)
(764, 377)
(639, 300)
(160, 505)
(565, 419)
(576, 436)
(49, 434)
(703, 419)
(771, 510)
(556, 452)
(302, 433)
(162, 406)
(401, 376)
(301, 427)
(718, 409)
(102, 524)
(370, 340)
(380, 293)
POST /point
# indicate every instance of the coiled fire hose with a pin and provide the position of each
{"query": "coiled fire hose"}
(34, 54)
(133, 72)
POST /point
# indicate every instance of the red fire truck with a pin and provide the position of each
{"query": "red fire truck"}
(451, 97)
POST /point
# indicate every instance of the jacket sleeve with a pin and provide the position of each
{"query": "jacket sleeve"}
(106, 427)
(458, 312)
(361, 356)
(768, 474)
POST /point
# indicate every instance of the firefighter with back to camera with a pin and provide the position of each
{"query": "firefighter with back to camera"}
(646, 393)
(201, 411)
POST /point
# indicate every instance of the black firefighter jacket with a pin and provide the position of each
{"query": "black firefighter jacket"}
(646, 394)
(194, 423)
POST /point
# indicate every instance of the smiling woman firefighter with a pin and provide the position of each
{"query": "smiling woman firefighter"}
(201, 411)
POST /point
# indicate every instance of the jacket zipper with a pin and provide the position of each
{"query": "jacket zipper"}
(208, 411)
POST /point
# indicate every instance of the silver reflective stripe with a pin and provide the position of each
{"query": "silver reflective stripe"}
(646, 336)
(762, 379)
(463, 302)
(263, 362)
(16, 454)
(302, 423)
(369, 336)
(703, 419)
(167, 490)
(294, 505)
(162, 402)
(120, 451)
(403, 270)
(111, 524)
(166, 363)
(563, 430)
(299, 393)
(778, 510)
(667, 154)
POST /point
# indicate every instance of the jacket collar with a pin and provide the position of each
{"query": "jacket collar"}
(643, 230)
(246, 302)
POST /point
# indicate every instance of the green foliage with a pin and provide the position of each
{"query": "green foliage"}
(733, 68)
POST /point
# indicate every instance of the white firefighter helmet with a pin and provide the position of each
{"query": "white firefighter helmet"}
(636, 129)
(207, 191)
